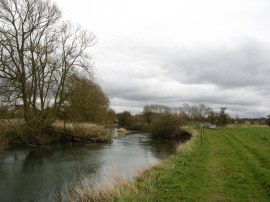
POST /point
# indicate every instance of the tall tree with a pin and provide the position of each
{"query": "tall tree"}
(86, 101)
(223, 117)
(38, 53)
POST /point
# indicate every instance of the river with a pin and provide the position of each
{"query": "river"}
(33, 175)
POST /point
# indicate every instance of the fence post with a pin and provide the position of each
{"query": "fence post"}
(202, 129)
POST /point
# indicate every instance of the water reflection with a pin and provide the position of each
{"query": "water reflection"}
(32, 175)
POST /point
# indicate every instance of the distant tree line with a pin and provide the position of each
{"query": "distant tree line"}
(202, 113)
(186, 113)
(260, 120)
(164, 120)
(156, 119)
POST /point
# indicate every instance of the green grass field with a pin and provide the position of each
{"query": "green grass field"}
(232, 164)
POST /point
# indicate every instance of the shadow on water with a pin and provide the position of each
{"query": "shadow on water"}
(160, 148)
(31, 175)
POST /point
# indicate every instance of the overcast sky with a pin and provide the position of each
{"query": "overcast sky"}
(213, 52)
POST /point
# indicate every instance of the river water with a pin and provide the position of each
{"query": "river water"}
(33, 175)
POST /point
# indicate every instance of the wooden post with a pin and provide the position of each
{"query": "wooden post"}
(203, 129)
(201, 134)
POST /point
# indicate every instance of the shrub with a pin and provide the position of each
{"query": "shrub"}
(124, 119)
(165, 125)
(137, 123)
(267, 121)
(3, 142)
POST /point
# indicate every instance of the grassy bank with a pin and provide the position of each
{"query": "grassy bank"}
(232, 164)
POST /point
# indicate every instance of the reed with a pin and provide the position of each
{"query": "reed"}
(82, 130)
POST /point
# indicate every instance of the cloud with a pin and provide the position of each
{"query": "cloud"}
(234, 75)
(171, 52)
(243, 64)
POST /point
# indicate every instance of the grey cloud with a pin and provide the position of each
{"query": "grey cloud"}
(235, 76)
(244, 65)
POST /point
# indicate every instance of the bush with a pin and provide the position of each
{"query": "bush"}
(165, 125)
(267, 121)
(131, 122)
(124, 119)
(138, 123)
(4, 141)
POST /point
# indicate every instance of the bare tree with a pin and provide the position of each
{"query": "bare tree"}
(38, 53)
(196, 112)
(155, 108)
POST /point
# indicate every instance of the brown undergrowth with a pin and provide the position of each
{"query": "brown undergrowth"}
(12, 132)
(82, 130)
